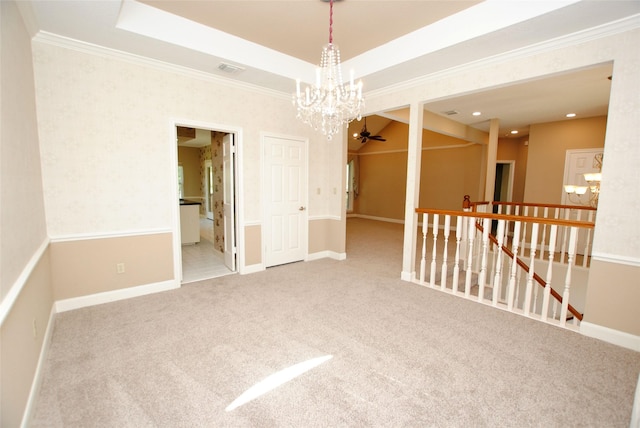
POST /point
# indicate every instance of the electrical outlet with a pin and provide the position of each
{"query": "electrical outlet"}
(35, 329)
(120, 268)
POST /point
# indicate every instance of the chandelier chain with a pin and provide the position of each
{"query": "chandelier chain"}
(330, 21)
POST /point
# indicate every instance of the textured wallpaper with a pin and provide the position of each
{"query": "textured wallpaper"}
(22, 222)
(107, 148)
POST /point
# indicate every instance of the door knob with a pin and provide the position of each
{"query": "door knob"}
(301, 209)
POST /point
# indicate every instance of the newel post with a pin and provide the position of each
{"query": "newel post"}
(466, 207)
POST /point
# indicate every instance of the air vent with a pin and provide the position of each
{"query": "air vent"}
(228, 68)
(450, 112)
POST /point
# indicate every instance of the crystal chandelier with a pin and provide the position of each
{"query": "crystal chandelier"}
(329, 103)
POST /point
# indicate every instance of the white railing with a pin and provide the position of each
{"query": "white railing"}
(516, 269)
(550, 211)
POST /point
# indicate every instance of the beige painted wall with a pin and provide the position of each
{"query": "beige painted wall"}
(325, 235)
(20, 347)
(607, 283)
(253, 245)
(548, 144)
(450, 169)
(24, 271)
(84, 267)
(189, 158)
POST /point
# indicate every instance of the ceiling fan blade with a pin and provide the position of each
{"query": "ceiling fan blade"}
(377, 138)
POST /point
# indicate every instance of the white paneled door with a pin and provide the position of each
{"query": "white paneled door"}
(285, 198)
(228, 201)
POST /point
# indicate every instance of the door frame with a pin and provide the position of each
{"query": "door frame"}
(174, 198)
(265, 208)
(510, 178)
(208, 209)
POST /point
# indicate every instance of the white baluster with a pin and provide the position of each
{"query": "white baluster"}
(514, 266)
(567, 280)
(482, 277)
(497, 279)
(544, 236)
(587, 243)
(423, 260)
(443, 276)
(456, 262)
(547, 288)
(471, 236)
(565, 234)
(523, 246)
(432, 277)
(532, 261)
(506, 228)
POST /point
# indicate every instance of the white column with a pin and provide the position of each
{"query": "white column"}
(492, 154)
(413, 192)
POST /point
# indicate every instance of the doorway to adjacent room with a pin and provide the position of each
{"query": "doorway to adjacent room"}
(206, 157)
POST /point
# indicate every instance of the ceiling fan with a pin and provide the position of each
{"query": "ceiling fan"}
(365, 135)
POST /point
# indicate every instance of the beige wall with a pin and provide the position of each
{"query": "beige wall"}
(23, 334)
(548, 145)
(189, 158)
(325, 235)
(84, 267)
(608, 282)
(451, 168)
(253, 245)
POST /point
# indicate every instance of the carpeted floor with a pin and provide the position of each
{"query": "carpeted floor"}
(402, 355)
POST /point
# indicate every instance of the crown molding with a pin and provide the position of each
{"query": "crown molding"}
(606, 30)
(93, 49)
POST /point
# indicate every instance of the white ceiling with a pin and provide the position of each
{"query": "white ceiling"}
(384, 42)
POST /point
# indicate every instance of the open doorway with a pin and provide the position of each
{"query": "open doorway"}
(503, 190)
(206, 167)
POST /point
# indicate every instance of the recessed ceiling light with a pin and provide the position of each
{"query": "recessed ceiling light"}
(571, 115)
(514, 132)
(476, 113)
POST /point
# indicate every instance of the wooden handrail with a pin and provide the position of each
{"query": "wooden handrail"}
(559, 222)
(534, 204)
(537, 277)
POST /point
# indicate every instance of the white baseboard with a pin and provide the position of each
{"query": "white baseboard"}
(259, 267)
(37, 376)
(115, 295)
(616, 337)
(326, 255)
(371, 217)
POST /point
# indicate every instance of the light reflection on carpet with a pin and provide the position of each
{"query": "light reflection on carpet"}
(275, 380)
